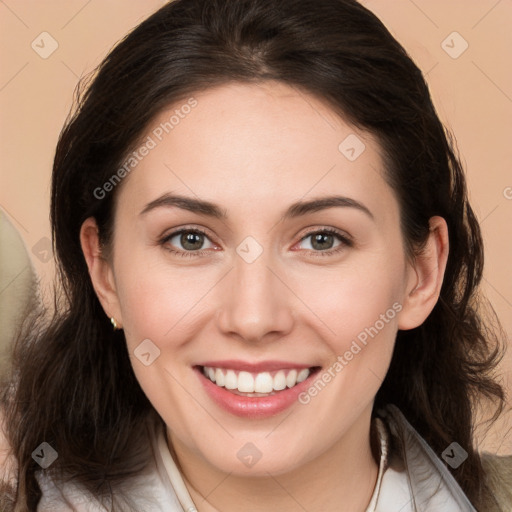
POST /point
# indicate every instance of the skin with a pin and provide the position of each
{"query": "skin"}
(254, 150)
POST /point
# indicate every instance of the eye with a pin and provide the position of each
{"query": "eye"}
(190, 242)
(323, 241)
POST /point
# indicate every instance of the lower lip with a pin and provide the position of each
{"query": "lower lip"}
(250, 406)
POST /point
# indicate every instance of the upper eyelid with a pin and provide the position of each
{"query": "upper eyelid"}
(185, 229)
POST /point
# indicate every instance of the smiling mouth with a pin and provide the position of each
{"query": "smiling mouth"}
(261, 384)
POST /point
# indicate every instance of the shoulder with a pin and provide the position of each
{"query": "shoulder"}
(61, 497)
(498, 476)
(146, 490)
(417, 471)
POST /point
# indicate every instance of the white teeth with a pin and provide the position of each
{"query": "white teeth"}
(245, 382)
(291, 378)
(260, 383)
(263, 383)
(219, 377)
(303, 375)
(279, 380)
(231, 381)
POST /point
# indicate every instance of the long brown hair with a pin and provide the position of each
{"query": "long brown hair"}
(72, 384)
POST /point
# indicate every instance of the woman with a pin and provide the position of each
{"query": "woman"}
(270, 270)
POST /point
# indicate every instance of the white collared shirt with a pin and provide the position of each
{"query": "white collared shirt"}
(413, 479)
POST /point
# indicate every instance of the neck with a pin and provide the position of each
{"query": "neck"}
(343, 477)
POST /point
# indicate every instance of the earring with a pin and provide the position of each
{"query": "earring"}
(114, 324)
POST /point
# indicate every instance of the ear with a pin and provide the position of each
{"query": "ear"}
(425, 277)
(100, 270)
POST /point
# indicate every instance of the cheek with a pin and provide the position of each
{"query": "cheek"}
(352, 300)
(359, 311)
(158, 301)
(358, 307)
(159, 304)
(365, 308)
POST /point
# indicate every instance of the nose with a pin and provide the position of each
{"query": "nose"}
(256, 305)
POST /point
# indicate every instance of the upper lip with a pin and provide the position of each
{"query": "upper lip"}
(263, 366)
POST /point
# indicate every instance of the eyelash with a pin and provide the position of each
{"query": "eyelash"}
(345, 242)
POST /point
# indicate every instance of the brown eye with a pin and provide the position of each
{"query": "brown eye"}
(191, 241)
(323, 242)
(187, 241)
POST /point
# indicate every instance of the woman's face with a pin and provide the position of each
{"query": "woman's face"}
(272, 287)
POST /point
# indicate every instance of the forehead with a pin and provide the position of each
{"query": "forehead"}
(266, 142)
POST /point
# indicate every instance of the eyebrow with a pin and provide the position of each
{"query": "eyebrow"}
(297, 209)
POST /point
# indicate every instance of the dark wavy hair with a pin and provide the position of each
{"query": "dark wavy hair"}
(72, 383)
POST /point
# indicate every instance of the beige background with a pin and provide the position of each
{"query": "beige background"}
(472, 92)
